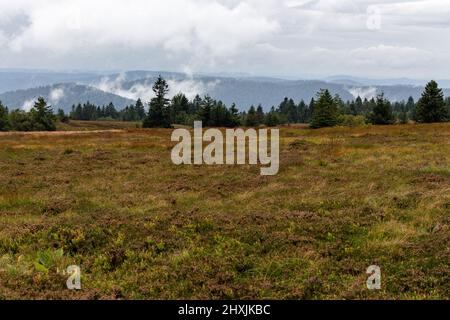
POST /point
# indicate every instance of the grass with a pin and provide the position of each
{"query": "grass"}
(96, 125)
(142, 228)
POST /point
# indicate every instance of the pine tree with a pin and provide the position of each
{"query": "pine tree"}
(325, 111)
(140, 109)
(411, 108)
(311, 108)
(158, 115)
(4, 118)
(259, 115)
(205, 111)
(111, 112)
(431, 106)
(447, 102)
(179, 108)
(194, 107)
(289, 110)
(358, 106)
(234, 116)
(302, 111)
(42, 116)
(339, 103)
(272, 118)
(62, 116)
(251, 119)
(382, 111)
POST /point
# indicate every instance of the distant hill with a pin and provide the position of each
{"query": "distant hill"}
(343, 79)
(125, 88)
(265, 91)
(62, 96)
(11, 80)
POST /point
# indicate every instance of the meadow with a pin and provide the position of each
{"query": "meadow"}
(140, 227)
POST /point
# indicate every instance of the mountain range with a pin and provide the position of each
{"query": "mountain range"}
(19, 88)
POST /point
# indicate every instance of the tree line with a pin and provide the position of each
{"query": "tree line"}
(322, 111)
(89, 112)
(39, 118)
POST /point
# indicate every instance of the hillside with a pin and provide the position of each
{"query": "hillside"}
(62, 96)
(125, 88)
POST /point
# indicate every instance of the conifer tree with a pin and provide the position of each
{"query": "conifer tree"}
(140, 109)
(234, 116)
(302, 111)
(179, 108)
(251, 119)
(158, 115)
(259, 115)
(205, 111)
(358, 106)
(382, 111)
(311, 106)
(42, 116)
(431, 106)
(4, 118)
(325, 111)
(272, 118)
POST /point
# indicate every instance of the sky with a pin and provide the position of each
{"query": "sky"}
(290, 38)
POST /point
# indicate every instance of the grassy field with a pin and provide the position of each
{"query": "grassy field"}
(96, 125)
(142, 228)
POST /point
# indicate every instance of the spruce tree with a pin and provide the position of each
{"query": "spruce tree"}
(325, 111)
(302, 111)
(140, 109)
(158, 114)
(431, 106)
(340, 105)
(205, 111)
(411, 108)
(358, 106)
(62, 116)
(272, 118)
(382, 111)
(4, 118)
(289, 110)
(311, 108)
(234, 116)
(42, 116)
(251, 120)
(179, 109)
(259, 115)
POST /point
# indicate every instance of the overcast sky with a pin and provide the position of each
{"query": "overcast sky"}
(297, 38)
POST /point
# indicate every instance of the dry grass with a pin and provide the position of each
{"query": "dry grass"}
(142, 228)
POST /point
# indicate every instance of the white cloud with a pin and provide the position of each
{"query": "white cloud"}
(364, 92)
(178, 27)
(266, 37)
(27, 105)
(56, 95)
(143, 89)
(191, 87)
(116, 85)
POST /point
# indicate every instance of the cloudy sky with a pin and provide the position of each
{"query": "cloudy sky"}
(296, 38)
